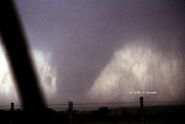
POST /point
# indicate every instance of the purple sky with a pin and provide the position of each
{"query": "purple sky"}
(83, 38)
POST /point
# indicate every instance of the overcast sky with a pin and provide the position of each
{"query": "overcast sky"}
(101, 50)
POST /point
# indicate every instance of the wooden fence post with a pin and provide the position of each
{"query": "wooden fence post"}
(70, 112)
(12, 106)
(142, 110)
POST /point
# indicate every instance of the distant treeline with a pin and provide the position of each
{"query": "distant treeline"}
(150, 115)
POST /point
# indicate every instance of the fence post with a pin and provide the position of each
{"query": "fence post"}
(12, 113)
(142, 110)
(12, 106)
(70, 112)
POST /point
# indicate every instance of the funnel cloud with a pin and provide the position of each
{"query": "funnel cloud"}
(106, 50)
(136, 68)
(46, 75)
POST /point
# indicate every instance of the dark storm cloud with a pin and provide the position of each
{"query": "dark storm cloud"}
(84, 34)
